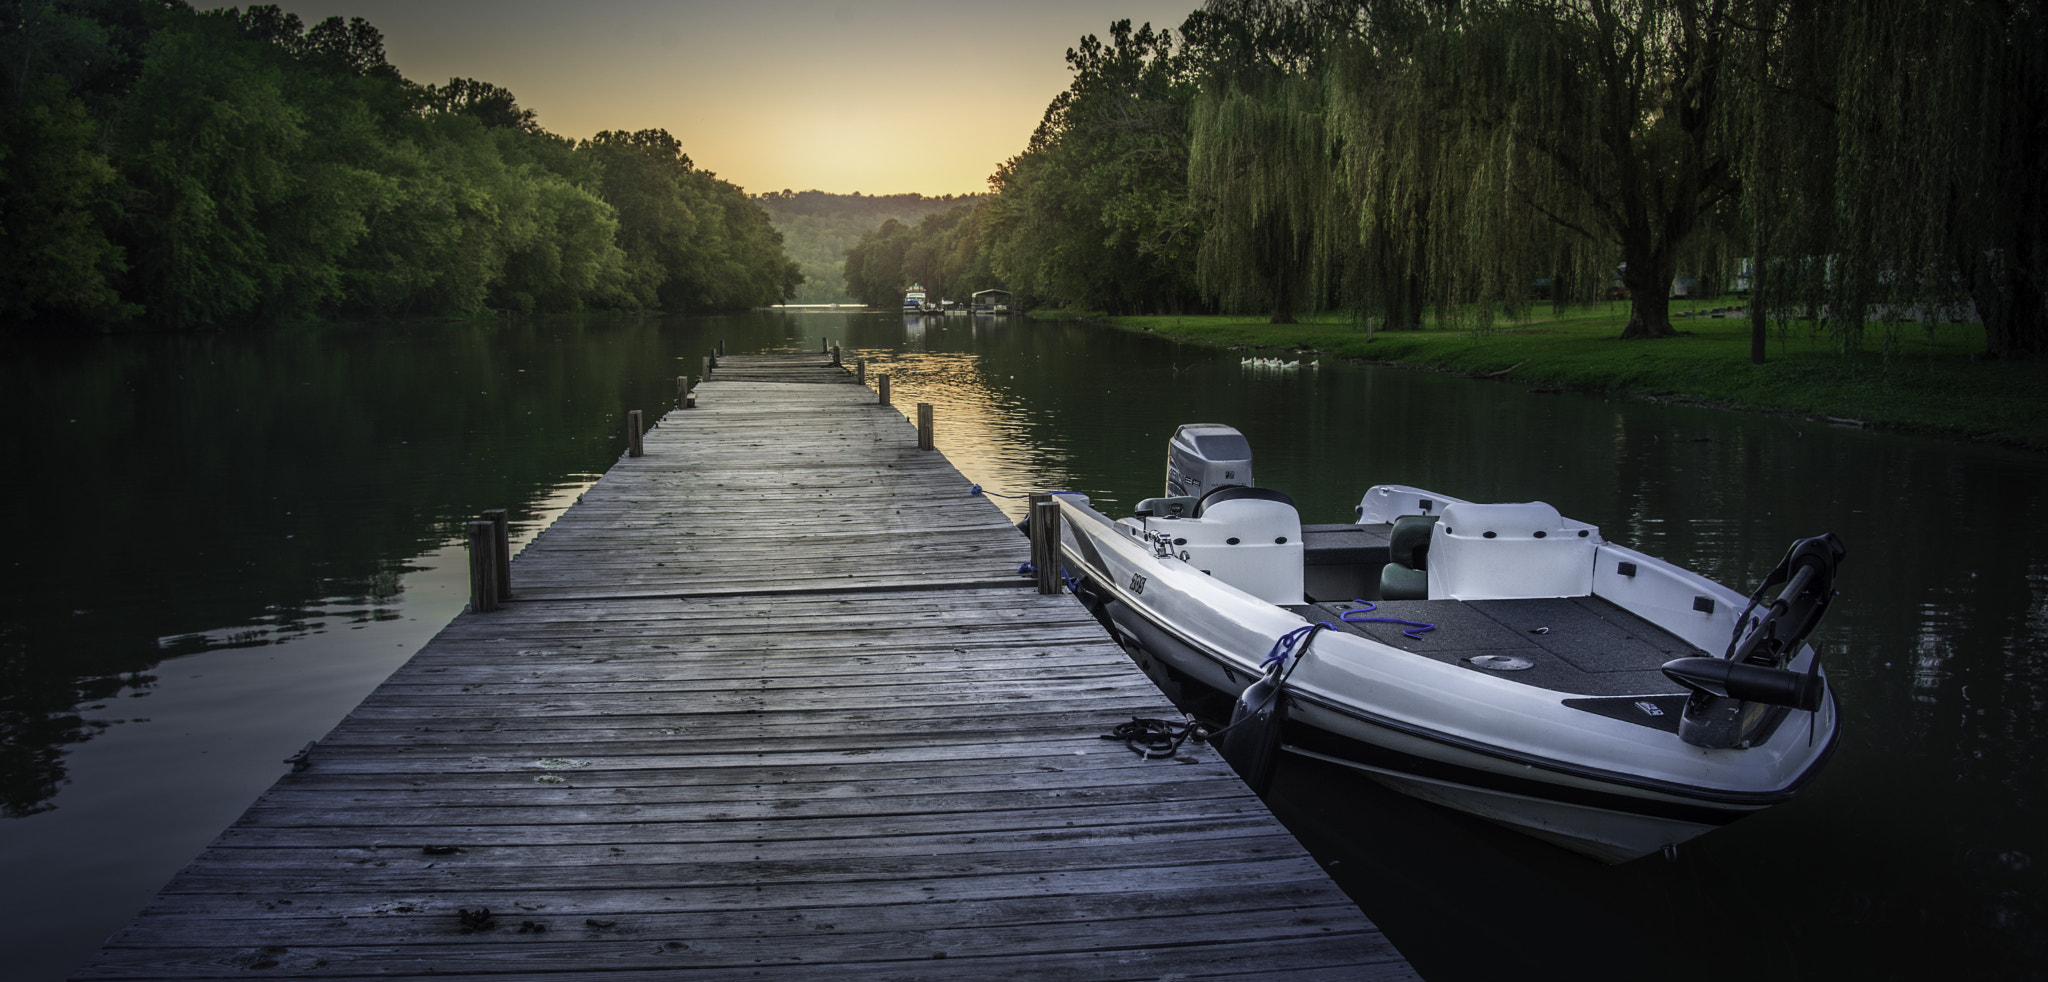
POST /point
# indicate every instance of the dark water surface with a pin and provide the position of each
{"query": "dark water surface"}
(221, 544)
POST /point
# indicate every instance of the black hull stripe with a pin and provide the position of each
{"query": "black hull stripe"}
(1382, 758)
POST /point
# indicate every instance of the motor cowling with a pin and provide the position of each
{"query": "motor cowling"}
(1205, 456)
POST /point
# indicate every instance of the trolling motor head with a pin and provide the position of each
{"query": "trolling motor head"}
(1733, 695)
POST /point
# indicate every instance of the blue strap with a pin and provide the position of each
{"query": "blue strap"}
(1294, 643)
(1027, 568)
(1415, 629)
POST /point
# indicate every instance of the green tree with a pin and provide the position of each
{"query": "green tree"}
(1262, 156)
(692, 241)
(1618, 117)
(57, 186)
(1095, 211)
(874, 266)
(224, 228)
(1893, 166)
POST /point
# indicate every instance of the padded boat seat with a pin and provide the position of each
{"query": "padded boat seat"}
(1181, 506)
(1239, 492)
(1406, 576)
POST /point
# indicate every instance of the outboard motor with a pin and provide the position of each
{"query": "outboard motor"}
(1204, 457)
(1733, 694)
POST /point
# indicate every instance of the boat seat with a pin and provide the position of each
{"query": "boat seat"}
(1180, 506)
(1406, 576)
(1239, 492)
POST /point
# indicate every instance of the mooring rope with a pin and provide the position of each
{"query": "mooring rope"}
(1154, 738)
(973, 489)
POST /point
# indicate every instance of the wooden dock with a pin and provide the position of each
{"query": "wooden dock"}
(770, 702)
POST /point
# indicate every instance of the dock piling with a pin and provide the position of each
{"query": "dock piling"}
(882, 382)
(924, 426)
(835, 357)
(1045, 542)
(483, 568)
(501, 552)
(860, 371)
(633, 446)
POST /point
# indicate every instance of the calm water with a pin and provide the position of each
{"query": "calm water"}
(222, 543)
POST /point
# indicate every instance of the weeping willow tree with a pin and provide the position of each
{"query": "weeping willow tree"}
(1260, 168)
(1464, 149)
(1894, 173)
(1614, 114)
(1436, 219)
(1261, 156)
(1786, 157)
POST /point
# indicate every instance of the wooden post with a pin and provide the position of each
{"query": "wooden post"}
(882, 381)
(860, 370)
(824, 346)
(682, 392)
(708, 361)
(633, 448)
(835, 357)
(483, 568)
(1045, 542)
(924, 426)
(501, 550)
(721, 346)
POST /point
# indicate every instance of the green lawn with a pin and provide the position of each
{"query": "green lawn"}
(1936, 382)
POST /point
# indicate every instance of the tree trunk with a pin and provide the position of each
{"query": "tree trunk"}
(2013, 306)
(1757, 327)
(1402, 306)
(1647, 274)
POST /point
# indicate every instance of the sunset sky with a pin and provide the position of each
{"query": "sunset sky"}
(876, 96)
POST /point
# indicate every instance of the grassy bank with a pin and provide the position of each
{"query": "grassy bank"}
(1934, 382)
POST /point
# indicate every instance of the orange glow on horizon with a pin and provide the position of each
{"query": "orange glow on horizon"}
(913, 95)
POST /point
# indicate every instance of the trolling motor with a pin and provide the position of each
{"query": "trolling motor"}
(1732, 695)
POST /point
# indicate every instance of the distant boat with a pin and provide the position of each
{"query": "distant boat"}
(913, 300)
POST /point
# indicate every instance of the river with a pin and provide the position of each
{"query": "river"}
(221, 543)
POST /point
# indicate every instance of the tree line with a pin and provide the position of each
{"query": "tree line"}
(1403, 159)
(818, 228)
(171, 168)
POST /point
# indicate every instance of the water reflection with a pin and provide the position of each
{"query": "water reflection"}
(245, 507)
(178, 495)
(1916, 852)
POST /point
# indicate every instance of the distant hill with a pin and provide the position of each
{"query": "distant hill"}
(817, 228)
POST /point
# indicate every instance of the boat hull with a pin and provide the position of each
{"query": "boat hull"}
(1503, 751)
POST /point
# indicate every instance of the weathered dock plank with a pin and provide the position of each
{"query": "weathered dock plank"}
(770, 702)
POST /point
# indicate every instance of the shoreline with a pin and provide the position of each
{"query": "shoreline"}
(1931, 381)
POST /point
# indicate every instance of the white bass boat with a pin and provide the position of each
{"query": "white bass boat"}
(1497, 658)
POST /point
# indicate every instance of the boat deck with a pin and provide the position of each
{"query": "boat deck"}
(1581, 645)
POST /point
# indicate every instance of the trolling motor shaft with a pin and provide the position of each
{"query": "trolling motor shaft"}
(1731, 696)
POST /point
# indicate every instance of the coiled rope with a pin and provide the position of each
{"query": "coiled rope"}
(1154, 738)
